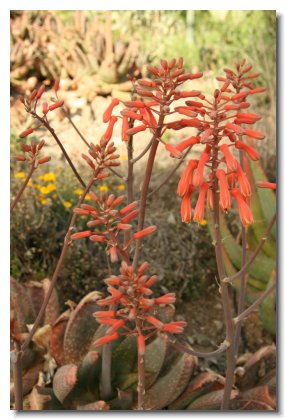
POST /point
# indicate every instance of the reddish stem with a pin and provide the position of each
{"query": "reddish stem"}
(22, 189)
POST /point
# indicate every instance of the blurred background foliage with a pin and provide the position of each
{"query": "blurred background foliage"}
(92, 52)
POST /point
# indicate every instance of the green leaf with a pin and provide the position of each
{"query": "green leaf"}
(168, 387)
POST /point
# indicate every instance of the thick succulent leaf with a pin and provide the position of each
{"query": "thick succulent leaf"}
(81, 328)
(64, 381)
(154, 358)
(36, 292)
(259, 393)
(262, 266)
(123, 359)
(267, 197)
(56, 344)
(256, 204)
(21, 305)
(168, 387)
(268, 310)
(204, 383)
(269, 380)
(210, 401)
(95, 406)
(256, 367)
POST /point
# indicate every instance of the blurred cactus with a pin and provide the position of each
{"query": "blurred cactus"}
(260, 272)
(45, 46)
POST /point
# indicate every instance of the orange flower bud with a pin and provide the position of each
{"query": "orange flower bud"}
(187, 143)
(40, 91)
(26, 132)
(129, 207)
(56, 105)
(174, 152)
(244, 210)
(231, 162)
(97, 238)
(199, 175)
(174, 327)
(106, 339)
(154, 321)
(56, 85)
(131, 114)
(254, 134)
(44, 159)
(107, 114)
(252, 153)
(225, 201)
(45, 107)
(134, 130)
(80, 235)
(200, 206)
(145, 232)
(166, 299)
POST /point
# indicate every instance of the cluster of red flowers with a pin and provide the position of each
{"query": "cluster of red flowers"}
(31, 154)
(131, 292)
(31, 104)
(111, 222)
(152, 103)
(220, 128)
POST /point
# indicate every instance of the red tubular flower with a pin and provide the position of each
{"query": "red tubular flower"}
(186, 208)
(225, 201)
(174, 152)
(145, 232)
(244, 210)
(186, 178)
(44, 159)
(129, 207)
(124, 128)
(56, 86)
(118, 324)
(108, 133)
(257, 90)
(254, 134)
(175, 327)
(40, 91)
(56, 105)
(166, 299)
(200, 206)
(113, 254)
(141, 345)
(80, 235)
(26, 132)
(251, 152)
(45, 108)
(199, 175)
(206, 135)
(97, 238)
(130, 216)
(236, 128)
(264, 184)
(106, 339)
(135, 130)
(154, 321)
(244, 185)
(187, 143)
(242, 118)
(104, 314)
(107, 114)
(131, 114)
(231, 162)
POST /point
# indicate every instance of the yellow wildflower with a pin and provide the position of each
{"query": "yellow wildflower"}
(44, 190)
(49, 176)
(203, 222)
(20, 175)
(30, 184)
(103, 188)
(42, 199)
(79, 191)
(87, 197)
(123, 157)
(41, 177)
(51, 187)
(54, 195)
(67, 204)
(121, 187)
(38, 186)
(47, 189)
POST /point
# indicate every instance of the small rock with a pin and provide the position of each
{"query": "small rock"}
(218, 306)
